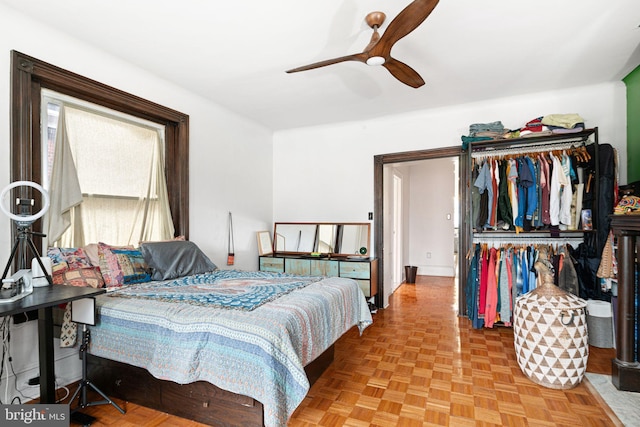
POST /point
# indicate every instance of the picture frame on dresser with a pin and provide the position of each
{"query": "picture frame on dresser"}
(265, 246)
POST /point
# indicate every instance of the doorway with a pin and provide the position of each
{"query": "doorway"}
(387, 222)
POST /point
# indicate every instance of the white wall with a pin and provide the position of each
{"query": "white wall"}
(431, 235)
(326, 172)
(230, 163)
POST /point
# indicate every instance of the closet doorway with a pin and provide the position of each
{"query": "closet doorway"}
(413, 192)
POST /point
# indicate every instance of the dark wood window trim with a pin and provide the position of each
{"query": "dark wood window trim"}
(29, 75)
(378, 206)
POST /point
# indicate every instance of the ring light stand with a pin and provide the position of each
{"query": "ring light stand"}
(83, 312)
(23, 222)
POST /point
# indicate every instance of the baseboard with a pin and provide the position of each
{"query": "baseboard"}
(444, 271)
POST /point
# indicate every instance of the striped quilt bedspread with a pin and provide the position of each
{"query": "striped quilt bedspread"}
(258, 352)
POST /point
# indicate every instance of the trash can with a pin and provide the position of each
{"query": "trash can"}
(410, 273)
(600, 323)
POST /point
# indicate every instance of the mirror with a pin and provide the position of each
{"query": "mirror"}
(335, 239)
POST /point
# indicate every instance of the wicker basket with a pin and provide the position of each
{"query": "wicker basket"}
(550, 335)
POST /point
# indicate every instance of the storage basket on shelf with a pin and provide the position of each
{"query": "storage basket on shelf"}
(550, 333)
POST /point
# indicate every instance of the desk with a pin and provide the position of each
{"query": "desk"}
(44, 299)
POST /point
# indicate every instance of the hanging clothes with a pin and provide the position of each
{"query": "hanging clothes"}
(544, 190)
(472, 290)
(491, 299)
(484, 277)
(495, 182)
(566, 190)
(483, 184)
(499, 275)
(530, 192)
(475, 198)
(567, 277)
(505, 211)
(504, 288)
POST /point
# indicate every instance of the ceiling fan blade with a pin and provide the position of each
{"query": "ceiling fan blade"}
(355, 57)
(407, 20)
(403, 72)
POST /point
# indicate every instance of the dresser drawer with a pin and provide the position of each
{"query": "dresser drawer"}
(275, 265)
(324, 268)
(301, 267)
(364, 272)
(365, 285)
(355, 270)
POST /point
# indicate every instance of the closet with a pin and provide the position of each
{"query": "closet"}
(526, 195)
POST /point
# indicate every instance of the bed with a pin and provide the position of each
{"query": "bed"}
(223, 347)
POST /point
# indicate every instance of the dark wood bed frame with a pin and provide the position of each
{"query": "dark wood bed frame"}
(199, 401)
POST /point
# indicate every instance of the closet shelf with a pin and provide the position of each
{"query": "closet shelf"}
(534, 141)
(537, 233)
(573, 237)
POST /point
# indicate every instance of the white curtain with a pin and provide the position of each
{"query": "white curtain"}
(120, 166)
(64, 187)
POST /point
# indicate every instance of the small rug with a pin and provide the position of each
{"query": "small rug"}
(228, 289)
(625, 404)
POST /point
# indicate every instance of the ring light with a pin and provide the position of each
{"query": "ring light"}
(23, 240)
(25, 218)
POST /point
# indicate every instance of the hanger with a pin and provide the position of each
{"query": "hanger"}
(585, 153)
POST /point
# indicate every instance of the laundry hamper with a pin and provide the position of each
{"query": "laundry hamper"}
(600, 323)
(550, 334)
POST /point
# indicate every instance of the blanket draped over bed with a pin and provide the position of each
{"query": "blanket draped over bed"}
(256, 351)
(221, 288)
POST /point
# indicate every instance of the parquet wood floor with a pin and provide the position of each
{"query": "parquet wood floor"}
(420, 364)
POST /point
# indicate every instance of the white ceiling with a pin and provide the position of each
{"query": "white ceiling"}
(235, 53)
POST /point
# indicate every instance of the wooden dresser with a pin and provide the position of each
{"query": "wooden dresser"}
(362, 270)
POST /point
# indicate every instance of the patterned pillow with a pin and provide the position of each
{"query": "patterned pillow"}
(85, 276)
(133, 266)
(122, 265)
(68, 258)
(109, 266)
(92, 253)
(59, 268)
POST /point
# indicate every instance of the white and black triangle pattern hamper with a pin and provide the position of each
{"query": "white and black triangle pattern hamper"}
(550, 335)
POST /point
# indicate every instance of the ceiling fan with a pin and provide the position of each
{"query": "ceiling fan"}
(378, 51)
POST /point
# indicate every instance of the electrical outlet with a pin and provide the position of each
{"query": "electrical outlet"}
(428, 255)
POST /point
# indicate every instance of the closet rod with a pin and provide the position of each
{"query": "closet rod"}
(490, 152)
(529, 241)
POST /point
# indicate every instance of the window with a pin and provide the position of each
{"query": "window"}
(30, 75)
(124, 197)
